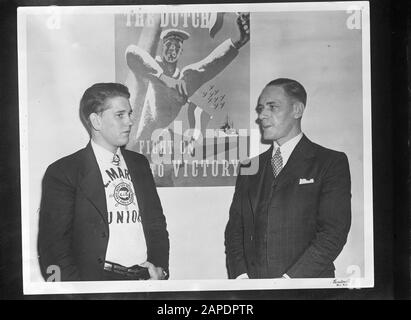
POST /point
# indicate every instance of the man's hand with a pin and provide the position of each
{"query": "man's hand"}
(156, 273)
(178, 84)
(243, 22)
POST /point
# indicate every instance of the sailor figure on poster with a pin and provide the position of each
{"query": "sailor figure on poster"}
(168, 88)
(159, 89)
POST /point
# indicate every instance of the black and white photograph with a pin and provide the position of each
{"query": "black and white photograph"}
(221, 147)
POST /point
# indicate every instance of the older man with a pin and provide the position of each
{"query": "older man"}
(291, 219)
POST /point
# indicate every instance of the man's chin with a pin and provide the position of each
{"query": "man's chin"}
(171, 60)
(269, 137)
(122, 143)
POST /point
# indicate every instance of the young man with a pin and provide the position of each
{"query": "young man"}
(100, 215)
(292, 218)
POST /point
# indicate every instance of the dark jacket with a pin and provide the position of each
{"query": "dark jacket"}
(73, 227)
(313, 219)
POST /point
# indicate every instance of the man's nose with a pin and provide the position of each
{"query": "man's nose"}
(263, 114)
(129, 121)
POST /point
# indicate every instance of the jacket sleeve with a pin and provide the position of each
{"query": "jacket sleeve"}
(141, 63)
(55, 225)
(333, 222)
(234, 236)
(155, 226)
(195, 75)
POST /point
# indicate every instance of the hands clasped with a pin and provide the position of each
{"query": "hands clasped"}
(156, 273)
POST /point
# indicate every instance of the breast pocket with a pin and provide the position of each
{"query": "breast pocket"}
(307, 195)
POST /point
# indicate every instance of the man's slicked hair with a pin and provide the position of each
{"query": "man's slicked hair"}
(94, 98)
(292, 88)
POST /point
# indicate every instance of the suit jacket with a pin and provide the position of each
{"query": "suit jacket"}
(314, 218)
(73, 226)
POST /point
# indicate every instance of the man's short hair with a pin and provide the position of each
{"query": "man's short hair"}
(293, 88)
(94, 98)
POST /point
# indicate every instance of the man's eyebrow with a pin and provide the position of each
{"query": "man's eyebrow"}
(268, 102)
(122, 111)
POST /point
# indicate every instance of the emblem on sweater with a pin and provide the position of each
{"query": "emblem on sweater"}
(123, 194)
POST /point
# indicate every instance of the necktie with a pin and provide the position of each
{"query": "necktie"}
(277, 162)
(116, 160)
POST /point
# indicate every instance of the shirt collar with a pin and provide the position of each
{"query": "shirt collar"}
(103, 155)
(288, 147)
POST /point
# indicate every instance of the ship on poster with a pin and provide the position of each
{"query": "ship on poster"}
(189, 85)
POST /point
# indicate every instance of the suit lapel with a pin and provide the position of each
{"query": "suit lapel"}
(255, 187)
(92, 183)
(297, 164)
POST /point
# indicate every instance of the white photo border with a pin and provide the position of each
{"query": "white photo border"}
(367, 281)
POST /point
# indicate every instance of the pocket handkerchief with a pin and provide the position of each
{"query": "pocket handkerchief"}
(305, 181)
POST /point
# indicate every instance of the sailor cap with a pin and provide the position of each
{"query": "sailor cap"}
(174, 33)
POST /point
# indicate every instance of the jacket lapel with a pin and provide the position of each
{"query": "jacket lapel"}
(255, 187)
(91, 183)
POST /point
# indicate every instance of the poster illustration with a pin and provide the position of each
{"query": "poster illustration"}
(194, 137)
(197, 77)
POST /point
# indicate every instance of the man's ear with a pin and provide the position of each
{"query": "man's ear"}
(298, 109)
(95, 121)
